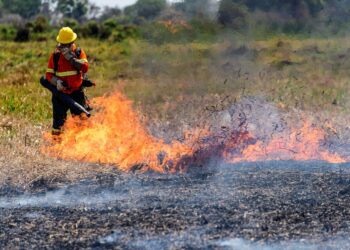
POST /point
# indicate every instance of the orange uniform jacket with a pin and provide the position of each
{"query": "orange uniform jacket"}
(67, 72)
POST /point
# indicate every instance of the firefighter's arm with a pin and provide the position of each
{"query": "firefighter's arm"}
(50, 75)
(80, 63)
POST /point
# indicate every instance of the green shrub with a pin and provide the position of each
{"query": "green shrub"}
(90, 29)
(110, 23)
(22, 35)
(40, 24)
(117, 32)
(107, 27)
(232, 15)
(7, 32)
(168, 31)
(72, 23)
(121, 33)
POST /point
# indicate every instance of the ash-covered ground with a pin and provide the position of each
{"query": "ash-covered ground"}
(270, 205)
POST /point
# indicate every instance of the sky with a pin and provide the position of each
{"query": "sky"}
(113, 3)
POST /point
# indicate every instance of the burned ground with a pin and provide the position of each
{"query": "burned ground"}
(207, 207)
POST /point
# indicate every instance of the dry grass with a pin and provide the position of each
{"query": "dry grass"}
(174, 86)
(23, 165)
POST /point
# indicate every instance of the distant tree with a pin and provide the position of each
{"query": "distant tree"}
(110, 12)
(65, 7)
(194, 8)
(296, 8)
(149, 8)
(93, 11)
(80, 9)
(25, 8)
(131, 10)
(76, 9)
(70, 22)
(40, 24)
(232, 14)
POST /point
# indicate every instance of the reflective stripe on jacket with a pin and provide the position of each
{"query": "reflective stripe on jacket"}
(66, 71)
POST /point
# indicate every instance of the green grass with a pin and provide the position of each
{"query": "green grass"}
(309, 74)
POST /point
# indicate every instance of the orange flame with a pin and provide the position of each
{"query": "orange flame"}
(175, 26)
(301, 145)
(115, 135)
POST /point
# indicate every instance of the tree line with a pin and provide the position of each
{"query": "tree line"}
(82, 10)
(288, 16)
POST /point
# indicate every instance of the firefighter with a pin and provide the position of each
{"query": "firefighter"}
(67, 66)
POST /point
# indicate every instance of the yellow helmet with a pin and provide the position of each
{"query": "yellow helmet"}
(66, 35)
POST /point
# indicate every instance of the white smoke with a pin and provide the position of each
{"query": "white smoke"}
(237, 243)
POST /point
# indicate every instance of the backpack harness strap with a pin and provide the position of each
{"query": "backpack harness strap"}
(56, 58)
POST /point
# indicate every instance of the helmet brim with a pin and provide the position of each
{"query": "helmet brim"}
(65, 41)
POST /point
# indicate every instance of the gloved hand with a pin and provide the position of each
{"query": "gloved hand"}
(67, 53)
(60, 85)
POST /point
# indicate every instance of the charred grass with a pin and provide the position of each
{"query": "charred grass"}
(260, 202)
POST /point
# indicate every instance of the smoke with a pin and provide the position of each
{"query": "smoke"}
(65, 197)
(303, 244)
(221, 181)
(183, 239)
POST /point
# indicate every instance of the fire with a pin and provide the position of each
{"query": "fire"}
(175, 26)
(115, 135)
(301, 144)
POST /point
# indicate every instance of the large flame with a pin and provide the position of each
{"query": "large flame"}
(115, 135)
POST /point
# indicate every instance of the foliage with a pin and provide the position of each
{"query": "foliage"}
(194, 8)
(40, 24)
(25, 8)
(231, 14)
(295, 8)
(22, 35)
(149, 9)
(108, 29)
(109, 12)
(123, 32)
(76, 9)
(7, 32)
(90, 29)
(70, 22)
(197, 29)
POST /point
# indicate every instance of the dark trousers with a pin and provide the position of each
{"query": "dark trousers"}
(60, 109)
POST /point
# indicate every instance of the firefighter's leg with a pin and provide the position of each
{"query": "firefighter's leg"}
(59, 115)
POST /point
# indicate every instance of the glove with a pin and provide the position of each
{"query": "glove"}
(67, 53)
(60, 85)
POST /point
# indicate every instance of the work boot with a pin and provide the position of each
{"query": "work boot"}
(56, 132)
(56, 135)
